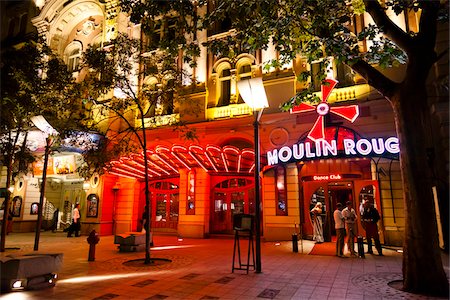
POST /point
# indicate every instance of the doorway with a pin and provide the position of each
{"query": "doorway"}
(230, 197)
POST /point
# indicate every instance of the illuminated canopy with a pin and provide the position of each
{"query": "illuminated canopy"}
(167, 161)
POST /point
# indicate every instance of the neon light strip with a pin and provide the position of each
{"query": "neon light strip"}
(141, 164)
(123, 175)
(181, 161)
(167, 164)
(239, 163)
(211, 162)
(236, 151)
(205, 153)
(132, 172)
(210, 149)
(195, 158)
(224, 161)
(131, 169)
(251, 169)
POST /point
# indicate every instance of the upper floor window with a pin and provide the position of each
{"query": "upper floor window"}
(244, 72)
(224, 84)
(74, 60)
(72, 55)
(220, 25)
(341, 72)
(164, 31)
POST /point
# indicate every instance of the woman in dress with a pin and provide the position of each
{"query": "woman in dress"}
(317, 222)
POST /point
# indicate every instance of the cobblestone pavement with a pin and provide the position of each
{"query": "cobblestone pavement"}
(202, 269)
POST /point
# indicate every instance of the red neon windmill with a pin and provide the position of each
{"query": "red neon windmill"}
(349, 112)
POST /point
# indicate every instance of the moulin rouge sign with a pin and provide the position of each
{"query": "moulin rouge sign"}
(321, 148)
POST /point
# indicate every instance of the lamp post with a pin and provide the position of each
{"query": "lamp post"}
(254, 95)
(41, 123)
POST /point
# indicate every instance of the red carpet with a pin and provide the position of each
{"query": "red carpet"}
(326, 249)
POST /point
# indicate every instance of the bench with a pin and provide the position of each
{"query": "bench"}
(29, 271)
(131, 241)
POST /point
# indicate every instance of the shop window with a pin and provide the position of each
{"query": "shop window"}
(190, 205)
(281, 192)
(174, 207)
(16, 206)
(161, 208)
(92, 206)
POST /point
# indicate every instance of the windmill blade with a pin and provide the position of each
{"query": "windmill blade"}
(317, 132)
(350, 112)
(302, 107)
(326, 89)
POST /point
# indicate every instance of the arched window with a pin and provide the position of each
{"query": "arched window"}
(74, 60)
(72, 55)
(281, 191)
(11, 27)
(224, 84)
(23, 24)
(244, 72)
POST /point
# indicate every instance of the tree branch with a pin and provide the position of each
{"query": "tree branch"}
(375, 78)
(390, 29)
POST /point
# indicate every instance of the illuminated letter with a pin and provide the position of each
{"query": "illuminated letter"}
(285, 157)
(360, 149)
(327, 147)
(349, 146)
(391, 145)
(298, 151)
(378, 148)
(309, 154)
(318, 146)
(272, 157)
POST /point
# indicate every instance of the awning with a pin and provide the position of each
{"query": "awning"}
(166, 161)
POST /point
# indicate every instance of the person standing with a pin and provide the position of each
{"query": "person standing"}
(349, 215)
(75, 226)
(316, 219)
(369, 222)
(339, 225)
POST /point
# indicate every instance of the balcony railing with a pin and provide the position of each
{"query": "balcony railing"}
(229, 111)
(158, 121)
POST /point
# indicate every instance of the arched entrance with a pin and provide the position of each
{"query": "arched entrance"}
(164, 199)
(230, 197)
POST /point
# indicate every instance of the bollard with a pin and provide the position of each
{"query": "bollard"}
(92, 240)
(294, 243)
(360, 247)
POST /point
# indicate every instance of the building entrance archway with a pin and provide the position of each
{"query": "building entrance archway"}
(230, 197)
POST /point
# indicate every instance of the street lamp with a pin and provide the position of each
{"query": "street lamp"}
(254, 95)
(41, 123)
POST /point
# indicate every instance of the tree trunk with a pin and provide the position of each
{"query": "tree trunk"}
(6, 208)
(423, 271)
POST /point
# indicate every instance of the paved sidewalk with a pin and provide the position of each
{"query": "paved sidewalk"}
(201, 269)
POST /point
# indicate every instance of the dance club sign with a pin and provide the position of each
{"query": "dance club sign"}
(322, 148)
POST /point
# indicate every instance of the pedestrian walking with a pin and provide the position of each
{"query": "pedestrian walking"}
(75, 226)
